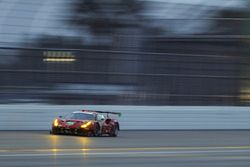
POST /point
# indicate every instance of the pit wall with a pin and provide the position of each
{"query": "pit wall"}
(39, 117)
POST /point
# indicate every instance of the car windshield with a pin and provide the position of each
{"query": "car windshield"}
(82, 116)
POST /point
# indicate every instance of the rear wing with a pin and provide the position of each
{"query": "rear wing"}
(104, 112)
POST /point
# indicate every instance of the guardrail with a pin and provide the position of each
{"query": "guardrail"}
(39, 117)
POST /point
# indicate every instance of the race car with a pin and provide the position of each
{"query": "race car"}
(86, 123)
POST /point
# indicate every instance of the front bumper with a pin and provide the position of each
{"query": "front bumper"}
(71, 131)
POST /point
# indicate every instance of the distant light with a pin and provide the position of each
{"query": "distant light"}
(59, 59)
(58, 56)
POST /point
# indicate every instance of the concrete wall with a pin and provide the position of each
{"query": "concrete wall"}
(39, 117)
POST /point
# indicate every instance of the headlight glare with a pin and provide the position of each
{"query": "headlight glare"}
(85, 125)
(56, 122)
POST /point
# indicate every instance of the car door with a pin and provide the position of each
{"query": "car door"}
(101, 119)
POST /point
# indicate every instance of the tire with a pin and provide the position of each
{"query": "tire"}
(114, 132)
(52, 132)
(97, 130)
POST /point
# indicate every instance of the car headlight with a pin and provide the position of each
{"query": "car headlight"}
(85, 125)
(56, 122)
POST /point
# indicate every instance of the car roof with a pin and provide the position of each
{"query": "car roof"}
(90, 113)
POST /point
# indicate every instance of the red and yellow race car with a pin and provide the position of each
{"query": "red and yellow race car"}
(87, 123)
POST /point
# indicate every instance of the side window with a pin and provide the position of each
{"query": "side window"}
(100, 117)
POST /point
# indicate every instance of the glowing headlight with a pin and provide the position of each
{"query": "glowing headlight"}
(56, 123)
(85, 125)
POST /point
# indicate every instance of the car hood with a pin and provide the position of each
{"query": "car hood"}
(76, 121)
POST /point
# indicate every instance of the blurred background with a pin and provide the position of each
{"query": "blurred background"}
(125, 52)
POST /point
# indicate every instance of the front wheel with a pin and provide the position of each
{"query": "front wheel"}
(52, 131)
(97, 131)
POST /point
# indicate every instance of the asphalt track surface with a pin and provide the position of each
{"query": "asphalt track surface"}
(131, 148)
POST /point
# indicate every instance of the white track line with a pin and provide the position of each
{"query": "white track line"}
(126, 153)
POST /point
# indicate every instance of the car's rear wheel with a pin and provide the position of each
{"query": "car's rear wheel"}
(114, 132)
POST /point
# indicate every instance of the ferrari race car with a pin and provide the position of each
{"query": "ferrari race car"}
(86, 123)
